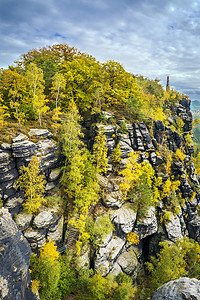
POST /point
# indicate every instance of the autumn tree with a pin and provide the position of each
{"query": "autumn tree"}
(46, 270)
(4, 113)
(100, 152)
(58, 84)
(82, 77)
(182, 257)
(34, 76)
(116, 156)
(32, 183)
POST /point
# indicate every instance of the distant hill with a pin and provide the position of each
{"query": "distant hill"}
(195, 105)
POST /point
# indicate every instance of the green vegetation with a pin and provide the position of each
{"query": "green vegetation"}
(33, 185)
(55, 87)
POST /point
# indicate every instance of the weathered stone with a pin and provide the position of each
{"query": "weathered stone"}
(23, 221)
(124, 219)
(181, 289)
(54, 174)
(194, 227)
(14, 203)
(50, 186)
(40, 133)
(106, 255)
(36, 238)
(113, 199)
(173, 228)
(6, 146)
(14, 260)
(8, 176)
(128, 263)
(23, 148)
(83, 259)
(44, 219)
(55, 231)
(20, 138)
(148, 225)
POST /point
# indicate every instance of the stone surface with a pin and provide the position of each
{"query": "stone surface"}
(36, 238)
(55, 231)
(113, 200)
(14, 261)
(148, 225)
(44, 133)
(44, 219)
(23, 221)
(173, 228)
(128, 263)
(181, 289)
(123, 219)
(107, 255)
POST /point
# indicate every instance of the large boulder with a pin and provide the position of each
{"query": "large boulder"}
(147, 226)
(173, 228)
(14, 261)
(124, 219)
(107, 254)
(181, 289)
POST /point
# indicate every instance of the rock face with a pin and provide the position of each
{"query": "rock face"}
(181, 289)
(14, 261)
(20, 152)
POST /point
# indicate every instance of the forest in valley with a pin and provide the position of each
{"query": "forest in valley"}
(59, 88)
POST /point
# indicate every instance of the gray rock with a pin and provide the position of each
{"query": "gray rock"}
(6, 146)
(113, 200)
(14, 260)
(55, 231)
(181, 289)
(54, 174)
(106, 255)
(10, 175)
(128, 263)
(14, 203)
(23, 221)
(36, 238)
(50, 186)
(40, 133)
(23, 148)
(20, 138)
(148, 225)
(173, 228)
(44, 219)
(124, 219)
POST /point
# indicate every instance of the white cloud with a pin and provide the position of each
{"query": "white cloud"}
(154, 38)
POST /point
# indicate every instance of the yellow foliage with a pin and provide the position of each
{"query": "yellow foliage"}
(166, 217)
(49, 250)
(193, 196)
(168, 164)
(180, 124)
(35, 286)
(133, 238)
(179, 155)
(100, 153)
(32, 184)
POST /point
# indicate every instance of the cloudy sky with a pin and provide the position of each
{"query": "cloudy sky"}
(154, 38)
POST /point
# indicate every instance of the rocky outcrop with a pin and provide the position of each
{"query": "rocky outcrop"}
(46, 225)
(20, 152)
(14, 261)
(181, 289)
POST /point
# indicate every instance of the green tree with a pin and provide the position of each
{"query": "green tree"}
(32, 184)
(58, 84)
(46, 270)
(100, 152)
(182, 257)
(34, 76)
(116, 156)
